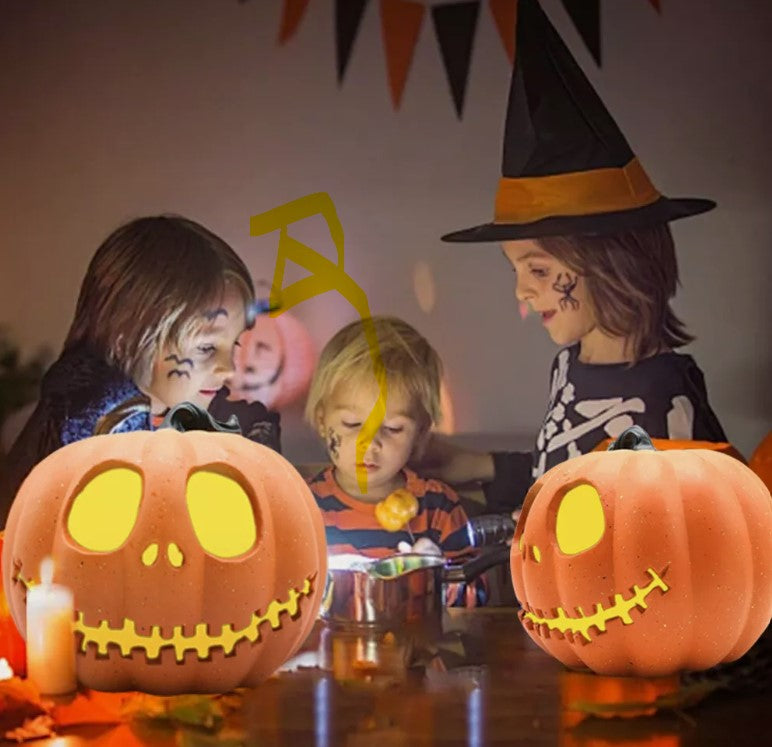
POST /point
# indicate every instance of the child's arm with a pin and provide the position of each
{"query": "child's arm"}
(505, 476)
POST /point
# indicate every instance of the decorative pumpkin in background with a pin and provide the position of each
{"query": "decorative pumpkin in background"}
(274, 362)
(642, 562)
(196, 559)
(761, 460)
(665, 444)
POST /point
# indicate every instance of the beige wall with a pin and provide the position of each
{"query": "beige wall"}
(112, 110)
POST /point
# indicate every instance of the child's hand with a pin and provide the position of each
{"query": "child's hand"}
(255, 421)
(423, 546)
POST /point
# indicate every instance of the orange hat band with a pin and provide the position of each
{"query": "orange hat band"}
(531, 198)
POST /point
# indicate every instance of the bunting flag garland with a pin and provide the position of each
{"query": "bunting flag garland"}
(504, 13)
(348, 16)
(292, 15)
(401, 22)
(455, 24)
(585, 15)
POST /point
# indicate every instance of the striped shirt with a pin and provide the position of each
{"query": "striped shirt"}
(351, 526)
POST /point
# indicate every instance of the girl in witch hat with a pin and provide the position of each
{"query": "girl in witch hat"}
(587, 234)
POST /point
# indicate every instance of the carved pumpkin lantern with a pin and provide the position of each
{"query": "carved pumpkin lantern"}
(643, 562)
(274, 361)
(196, 559)
(761, 460)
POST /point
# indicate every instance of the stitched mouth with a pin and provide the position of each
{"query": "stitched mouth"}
(578, 628)
(201, 641)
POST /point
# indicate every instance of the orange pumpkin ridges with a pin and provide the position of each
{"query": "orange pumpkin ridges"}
(174, 592)
(645, 563)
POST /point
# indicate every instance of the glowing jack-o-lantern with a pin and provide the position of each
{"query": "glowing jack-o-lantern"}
(643, 562)
(196, 559)
(274, 362)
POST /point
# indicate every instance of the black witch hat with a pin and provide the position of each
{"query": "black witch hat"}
(567, 169)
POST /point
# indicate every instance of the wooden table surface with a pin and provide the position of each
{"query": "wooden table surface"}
(479, 681)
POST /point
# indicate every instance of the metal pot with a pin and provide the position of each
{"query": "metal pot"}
(396, 590)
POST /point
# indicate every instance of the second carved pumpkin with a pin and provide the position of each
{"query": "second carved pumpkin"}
(644, 562)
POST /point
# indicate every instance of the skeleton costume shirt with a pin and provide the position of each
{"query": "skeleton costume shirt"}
(664, 394)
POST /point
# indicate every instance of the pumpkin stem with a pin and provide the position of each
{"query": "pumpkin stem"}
(189, 417)
(634, 438)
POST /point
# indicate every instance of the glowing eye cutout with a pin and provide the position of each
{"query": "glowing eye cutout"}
(580, 520)
(103, 514)
(221, 513)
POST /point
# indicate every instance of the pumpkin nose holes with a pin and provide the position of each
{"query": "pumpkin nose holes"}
(221, 513)
(536, 552)
(150, 554)
(175, 555)
(580, 520)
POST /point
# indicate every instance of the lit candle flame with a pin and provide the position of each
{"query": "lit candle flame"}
(47, 571)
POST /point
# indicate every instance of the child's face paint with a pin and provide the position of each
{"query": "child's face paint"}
(339, 422)
(195, 373)
(552, 290)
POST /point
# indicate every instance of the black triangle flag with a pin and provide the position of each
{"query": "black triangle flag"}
(348, 17)
(586, 17)
(454, 25)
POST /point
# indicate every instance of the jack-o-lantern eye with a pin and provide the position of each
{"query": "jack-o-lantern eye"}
(580, 521)
(222, 514)
(105, 510)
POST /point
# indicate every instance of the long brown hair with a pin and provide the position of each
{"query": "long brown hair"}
(631, 277)
(146, 284)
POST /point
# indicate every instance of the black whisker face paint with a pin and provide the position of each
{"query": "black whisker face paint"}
(333, 443)
(179, 361)
(566, 287)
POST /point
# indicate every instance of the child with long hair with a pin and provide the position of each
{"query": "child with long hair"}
(587, 235)
(160, 309)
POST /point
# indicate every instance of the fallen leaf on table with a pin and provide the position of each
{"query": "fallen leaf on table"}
(91, 707)
(19, 701)
(32, 728)
(200, 711)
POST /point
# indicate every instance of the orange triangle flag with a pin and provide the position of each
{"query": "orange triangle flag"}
(400, 26)
(505, 14)
(291, 16)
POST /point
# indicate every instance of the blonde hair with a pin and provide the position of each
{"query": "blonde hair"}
(411, 363)
(145, 286)
(631, 277)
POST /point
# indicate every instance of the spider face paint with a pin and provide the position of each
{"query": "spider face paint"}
(552, 290)
(565, 284)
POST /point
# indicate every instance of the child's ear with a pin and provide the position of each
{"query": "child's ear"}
(319, 421)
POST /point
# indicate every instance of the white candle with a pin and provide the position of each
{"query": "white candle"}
(50, 637)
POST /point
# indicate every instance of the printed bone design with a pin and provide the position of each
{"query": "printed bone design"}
(616, 407)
